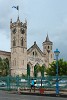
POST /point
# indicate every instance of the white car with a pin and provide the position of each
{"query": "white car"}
(45, 83)
(23, 80)
(2, 83)
(62, 83)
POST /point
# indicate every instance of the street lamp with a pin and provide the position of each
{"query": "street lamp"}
(57, 84)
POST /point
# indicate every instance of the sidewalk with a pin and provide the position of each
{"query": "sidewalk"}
(46, 93)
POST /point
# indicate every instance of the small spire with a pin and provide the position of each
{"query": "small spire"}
(47, 38)
(18, 19)
(34, 42)
(11, 20)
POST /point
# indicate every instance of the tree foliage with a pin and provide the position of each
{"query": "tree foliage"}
(4, 67)
(62, 68)
(37, 69)
(41, 70)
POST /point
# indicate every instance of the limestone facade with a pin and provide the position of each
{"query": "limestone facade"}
(18, 47)
(20, 57)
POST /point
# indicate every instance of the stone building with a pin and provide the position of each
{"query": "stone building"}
(20, 57)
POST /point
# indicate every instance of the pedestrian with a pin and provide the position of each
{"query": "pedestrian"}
(32, 85)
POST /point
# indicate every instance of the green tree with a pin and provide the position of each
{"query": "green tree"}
(1, 66)
(52, 69)
(4, 67)
(42, 70)
(62, 68)
(36, 68)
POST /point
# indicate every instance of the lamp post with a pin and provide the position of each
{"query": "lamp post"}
(57, 84)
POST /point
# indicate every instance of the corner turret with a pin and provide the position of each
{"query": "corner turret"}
(47, 50)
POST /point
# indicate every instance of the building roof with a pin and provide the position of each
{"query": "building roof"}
(5, 53)
(35, 46)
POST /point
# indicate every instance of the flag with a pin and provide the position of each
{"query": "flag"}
(17, 7)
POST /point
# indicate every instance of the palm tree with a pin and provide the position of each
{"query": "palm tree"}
(42, 70)
(36, 68)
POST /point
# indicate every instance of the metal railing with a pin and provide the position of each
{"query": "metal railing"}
(48, 82)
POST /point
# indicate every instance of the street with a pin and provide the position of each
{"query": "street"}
(6, 95)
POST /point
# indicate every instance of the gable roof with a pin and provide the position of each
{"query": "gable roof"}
(35, 46)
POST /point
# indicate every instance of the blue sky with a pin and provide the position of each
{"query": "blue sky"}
(43, 16)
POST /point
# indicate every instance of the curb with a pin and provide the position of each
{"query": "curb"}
(38, 94)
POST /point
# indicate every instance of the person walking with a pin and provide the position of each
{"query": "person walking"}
(32, 85)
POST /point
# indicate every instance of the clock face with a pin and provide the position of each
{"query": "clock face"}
(14, 30)
(22, 31)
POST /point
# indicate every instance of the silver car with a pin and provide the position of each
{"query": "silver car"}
(2, 83)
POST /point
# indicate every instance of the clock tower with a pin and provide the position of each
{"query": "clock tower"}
(18, 47)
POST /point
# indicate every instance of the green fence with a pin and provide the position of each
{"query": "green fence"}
(48, 82)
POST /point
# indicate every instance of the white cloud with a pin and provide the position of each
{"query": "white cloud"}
(42, 16)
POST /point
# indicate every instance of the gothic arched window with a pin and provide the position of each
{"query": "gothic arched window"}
(48, 47)
(22, 42)
(33, 53)
(14, 30)
(51, 47)
(14, 41)
(28, 70)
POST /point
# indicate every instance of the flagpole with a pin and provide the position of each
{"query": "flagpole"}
(18, 11)
(17, 8)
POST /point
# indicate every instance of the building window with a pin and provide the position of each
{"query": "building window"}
(14, 41)
(15, 61)
(51, 47)
(51, 55)
(14, 30)
(33, 53)
(48, 47)
(23, 62)
(21, 41)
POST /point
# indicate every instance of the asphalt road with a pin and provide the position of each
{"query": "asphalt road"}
(4, 95)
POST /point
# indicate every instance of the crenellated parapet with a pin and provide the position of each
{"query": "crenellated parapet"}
(18, 23)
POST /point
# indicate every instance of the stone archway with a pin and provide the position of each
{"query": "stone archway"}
(36, 70)
(28, 70)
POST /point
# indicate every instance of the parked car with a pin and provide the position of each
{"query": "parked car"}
(2, 83)
(44, 83)
(23, 80)
(62, 83)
